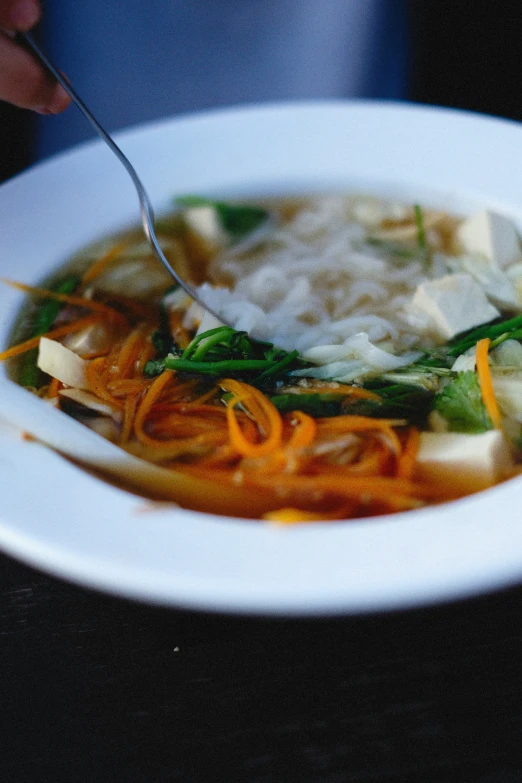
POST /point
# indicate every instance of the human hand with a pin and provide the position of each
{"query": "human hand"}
(23, 81)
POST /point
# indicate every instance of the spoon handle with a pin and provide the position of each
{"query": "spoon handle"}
(147, 213)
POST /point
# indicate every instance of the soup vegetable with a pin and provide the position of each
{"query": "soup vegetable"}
(374, 364)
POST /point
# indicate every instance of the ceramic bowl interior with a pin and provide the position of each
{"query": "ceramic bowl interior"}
(62, 519)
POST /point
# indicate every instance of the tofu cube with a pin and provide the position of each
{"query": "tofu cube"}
(495, 283)
(508, 393)
(452, 304)
(492, 235)
(463, 463)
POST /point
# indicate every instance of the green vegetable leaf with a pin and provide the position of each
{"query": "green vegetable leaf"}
(154, 367)
(508, 329)
(400, 400)
(421, 234)
(222, 352)
(238, 220)
(460, 403)
(314, 404)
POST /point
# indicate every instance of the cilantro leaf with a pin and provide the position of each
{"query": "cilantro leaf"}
(460, 403)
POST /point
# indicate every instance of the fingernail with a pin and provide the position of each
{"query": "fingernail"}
(24, 14)
(58, 102)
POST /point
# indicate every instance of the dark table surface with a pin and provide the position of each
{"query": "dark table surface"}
(95, 688)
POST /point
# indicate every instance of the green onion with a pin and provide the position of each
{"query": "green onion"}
(421, 234)
(511, 328)
(220, 368)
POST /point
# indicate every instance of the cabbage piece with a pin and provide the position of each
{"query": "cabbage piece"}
(59, 362)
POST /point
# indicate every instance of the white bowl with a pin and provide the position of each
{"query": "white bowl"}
(59, 518)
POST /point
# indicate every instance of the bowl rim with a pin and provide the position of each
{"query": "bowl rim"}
(439, 577)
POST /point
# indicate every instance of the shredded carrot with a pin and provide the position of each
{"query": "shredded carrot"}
(334, 388)
(197, 446)
(147, 353)
(199, 401)
(290, 516)
(486, 383)
(89, 304)
(152, 394)
(406, 462)
(304, 430)
(54, 387)
(129, 353)
(121, 387)
(268, 418)
(357, 423)
(129, 412)
(374, 458)
(102, 263)
(97, 385)
(384, 493)
(54, 334)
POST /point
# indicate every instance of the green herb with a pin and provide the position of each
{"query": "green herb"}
(510, 328)
(322, 405)
(421, 234)
(402, 400)
(460, 403)
(154, 367)
(44, 318)
(237, 220)
(223, 351)
(162, 342)
(227, 367)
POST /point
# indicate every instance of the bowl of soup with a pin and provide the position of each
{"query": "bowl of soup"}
(346, 436)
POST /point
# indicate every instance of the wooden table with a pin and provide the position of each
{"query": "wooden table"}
(94, 688)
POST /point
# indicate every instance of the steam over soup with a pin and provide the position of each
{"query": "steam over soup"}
(375, 364)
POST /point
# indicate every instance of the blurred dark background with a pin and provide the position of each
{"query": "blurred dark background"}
(134, 61)
(132, 69)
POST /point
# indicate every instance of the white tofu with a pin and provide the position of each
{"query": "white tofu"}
(497, 286)
(208, 321)
(204, 221)
(508, 393)
(493, 235)
(61, 363)
(463, 463)
(508, 354)
(452, 304)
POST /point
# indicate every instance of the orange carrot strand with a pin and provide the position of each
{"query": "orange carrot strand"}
(486, 383)
(102, 263)
(406, 462)
(54, 334)
(89, 304)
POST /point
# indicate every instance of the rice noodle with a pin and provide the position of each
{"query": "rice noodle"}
(317, 281)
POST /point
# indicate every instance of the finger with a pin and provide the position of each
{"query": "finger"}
(25, 83)
(19, 14)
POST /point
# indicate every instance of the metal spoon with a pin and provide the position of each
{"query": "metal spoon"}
(147, 214)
